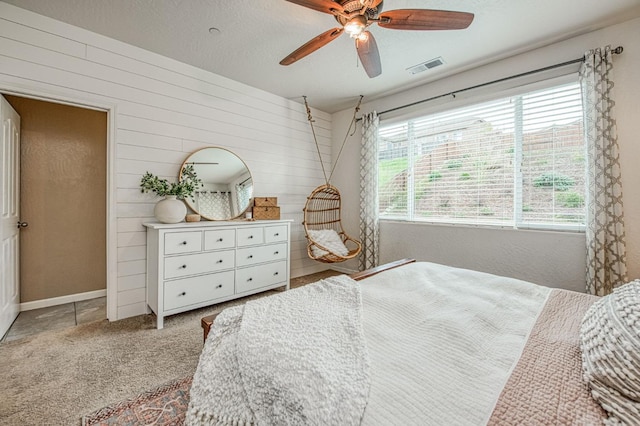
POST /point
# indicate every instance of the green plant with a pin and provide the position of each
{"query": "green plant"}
(189, 182)
(486, 211)
(433, 176)
(465, 176)
(571, 200)
(453, 164)
(552, 180)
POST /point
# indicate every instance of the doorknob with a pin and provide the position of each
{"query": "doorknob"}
(22, 224)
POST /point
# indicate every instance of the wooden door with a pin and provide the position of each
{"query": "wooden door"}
(9, 219)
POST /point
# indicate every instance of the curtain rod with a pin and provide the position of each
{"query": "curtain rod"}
(616, 51)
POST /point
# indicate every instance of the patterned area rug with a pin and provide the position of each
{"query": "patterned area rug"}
(163, 406)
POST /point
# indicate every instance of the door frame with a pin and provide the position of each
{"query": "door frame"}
(38, 93)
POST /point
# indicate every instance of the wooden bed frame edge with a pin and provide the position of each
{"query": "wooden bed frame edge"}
(374, 271)
(207, 321)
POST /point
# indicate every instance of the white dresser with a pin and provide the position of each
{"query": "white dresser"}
(191, 265)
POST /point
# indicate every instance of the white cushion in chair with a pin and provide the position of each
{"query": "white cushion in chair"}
(328, 238)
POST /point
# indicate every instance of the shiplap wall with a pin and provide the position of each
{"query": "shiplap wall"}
(160, 111)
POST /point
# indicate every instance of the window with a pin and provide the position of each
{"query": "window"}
(517, 161)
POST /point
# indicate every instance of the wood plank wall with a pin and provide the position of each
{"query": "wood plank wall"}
(163, 110)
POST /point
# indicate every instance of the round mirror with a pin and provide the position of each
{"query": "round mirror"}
(227, 185)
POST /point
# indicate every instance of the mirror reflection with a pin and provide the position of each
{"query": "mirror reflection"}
(227, 185)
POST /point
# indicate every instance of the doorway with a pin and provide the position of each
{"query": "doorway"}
(63, 200)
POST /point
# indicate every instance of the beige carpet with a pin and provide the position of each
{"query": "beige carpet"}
(55, 378)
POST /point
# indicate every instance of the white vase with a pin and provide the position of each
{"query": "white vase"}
(170, 210)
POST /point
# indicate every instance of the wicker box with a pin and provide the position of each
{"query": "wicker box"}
(265, 201)
(266, 212)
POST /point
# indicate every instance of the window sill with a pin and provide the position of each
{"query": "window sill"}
(578, 229)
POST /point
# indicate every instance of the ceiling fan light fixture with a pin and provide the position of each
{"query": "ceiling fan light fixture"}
(355, 17)
(356, 26)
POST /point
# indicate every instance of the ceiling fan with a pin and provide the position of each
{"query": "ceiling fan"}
(355, 16)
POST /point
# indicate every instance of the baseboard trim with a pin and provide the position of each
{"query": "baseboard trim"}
(61, 300)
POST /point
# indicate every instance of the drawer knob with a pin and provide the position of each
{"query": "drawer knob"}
(219, 261)
(184, 293)
(275, 273)
(184, 243)
(219, 240)
(250, 279)
(183, 267)
(219, 286)
(277, 252)
(276, 235)
(250, 256)
(250, 236)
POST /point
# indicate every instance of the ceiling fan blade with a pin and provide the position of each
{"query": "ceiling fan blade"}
(369, 55)
(326, 6)
(425, 19)
(312, 45)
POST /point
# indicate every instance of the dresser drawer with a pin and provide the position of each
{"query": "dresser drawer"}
(191, 264)
(252, 255)
(182, 242)
(189, 291)
(275, 234)
(250, 236)
(219, 239)
(255, 277)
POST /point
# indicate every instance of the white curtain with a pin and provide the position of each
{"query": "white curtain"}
(369, 227)
(606, 252)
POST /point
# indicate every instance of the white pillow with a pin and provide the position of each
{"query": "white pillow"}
(610, 345)
(328, 238)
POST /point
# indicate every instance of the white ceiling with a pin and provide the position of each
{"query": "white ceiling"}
(256, 34)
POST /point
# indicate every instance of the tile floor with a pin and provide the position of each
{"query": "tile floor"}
(71, 314)
(56, 317)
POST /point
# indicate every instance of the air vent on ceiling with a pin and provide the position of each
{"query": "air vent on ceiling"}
(436, 62)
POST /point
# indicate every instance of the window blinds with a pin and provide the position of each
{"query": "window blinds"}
(516, 161)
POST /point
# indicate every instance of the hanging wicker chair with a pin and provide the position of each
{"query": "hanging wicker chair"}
(322, 212)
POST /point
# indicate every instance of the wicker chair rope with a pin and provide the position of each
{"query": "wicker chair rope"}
(322, 211)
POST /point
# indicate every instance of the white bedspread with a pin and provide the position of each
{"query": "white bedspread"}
(296, 358)
(442, 342)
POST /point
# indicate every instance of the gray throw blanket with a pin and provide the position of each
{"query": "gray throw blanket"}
(295, 358)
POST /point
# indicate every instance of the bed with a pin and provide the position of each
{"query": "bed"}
(412, 343)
